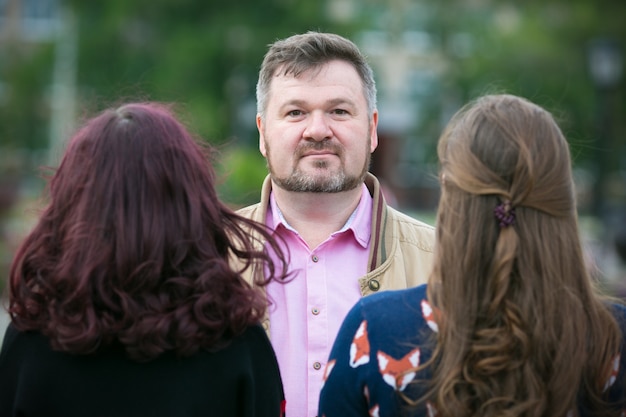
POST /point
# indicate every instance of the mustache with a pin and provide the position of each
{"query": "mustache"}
(318, 146)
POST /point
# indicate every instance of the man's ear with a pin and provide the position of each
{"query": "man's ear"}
(259, 126)
(374, 131)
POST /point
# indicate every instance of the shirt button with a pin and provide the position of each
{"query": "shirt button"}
(315, 311)
(317, 366)
(315, 258)
(374, 285)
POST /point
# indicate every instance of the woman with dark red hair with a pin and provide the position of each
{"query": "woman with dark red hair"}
(122, 300)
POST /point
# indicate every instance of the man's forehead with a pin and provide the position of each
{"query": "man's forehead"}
(294, 71)
(336, 78)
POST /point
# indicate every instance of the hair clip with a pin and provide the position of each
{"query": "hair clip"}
(505, 214)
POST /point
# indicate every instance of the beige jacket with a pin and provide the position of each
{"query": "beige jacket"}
(401, 248)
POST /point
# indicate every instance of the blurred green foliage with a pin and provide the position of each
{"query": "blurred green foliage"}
(539, 49)
(205, 55)
(24, 109)
(202, 53)
(242, 171)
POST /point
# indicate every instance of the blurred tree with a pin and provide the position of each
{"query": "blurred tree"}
(204, 55)
(25, 111)
(537, 49)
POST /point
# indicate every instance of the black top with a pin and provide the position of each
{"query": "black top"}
(240, 380)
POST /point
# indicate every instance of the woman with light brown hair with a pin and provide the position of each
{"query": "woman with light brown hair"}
(509, 323)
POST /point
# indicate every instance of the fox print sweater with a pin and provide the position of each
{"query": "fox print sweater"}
(383, 338)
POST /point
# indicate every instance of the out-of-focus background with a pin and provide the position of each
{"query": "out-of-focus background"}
(61, 61)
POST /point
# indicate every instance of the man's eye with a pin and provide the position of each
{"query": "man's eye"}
(294, 113)
(340, 111)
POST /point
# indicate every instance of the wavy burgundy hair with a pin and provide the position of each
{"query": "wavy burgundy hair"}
(133, 247)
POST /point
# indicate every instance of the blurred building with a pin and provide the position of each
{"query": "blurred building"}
(27, 24)
(409, 63)
(28, 20)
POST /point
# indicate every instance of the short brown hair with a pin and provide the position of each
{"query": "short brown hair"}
(311, 50)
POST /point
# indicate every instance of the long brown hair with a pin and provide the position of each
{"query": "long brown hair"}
(522, 332)
(133, 247)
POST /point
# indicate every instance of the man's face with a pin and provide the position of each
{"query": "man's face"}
(316, 134)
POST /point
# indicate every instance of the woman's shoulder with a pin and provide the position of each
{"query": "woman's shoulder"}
(383, 339)
(398, 314)
(618, 310)
(18, 343)
(255, 339)
(384, 297)
(387, 304)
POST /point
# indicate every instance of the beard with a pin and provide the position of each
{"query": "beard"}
(324, 180)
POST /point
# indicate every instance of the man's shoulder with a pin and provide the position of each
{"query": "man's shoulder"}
(249, 211)
(411, 231)
(408, 222)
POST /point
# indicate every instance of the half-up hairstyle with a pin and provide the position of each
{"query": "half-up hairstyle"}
(522, 332)
(133, 247)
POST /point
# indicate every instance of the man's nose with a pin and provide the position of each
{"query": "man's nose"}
(318, 127)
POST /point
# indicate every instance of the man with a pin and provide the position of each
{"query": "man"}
(317, 120)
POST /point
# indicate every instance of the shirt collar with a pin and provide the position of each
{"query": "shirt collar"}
(359, 221)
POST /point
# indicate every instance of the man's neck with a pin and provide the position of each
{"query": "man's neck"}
(316, 215)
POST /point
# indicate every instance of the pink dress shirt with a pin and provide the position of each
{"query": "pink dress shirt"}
(306, 313)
